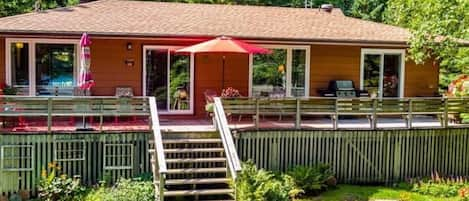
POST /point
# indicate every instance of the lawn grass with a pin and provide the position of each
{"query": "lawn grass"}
(365, 193)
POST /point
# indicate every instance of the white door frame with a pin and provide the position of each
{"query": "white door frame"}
(381, 53)
(32, 58)
(144, 78)
(289, 64)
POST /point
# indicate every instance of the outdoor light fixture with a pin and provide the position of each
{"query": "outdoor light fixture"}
(129, 62)
(129, 46)
(19, 45)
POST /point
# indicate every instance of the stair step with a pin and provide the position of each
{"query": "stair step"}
(197, 192)
(188, 141)
(195, 160)
(196, 170)
(197, 181)
(192, 150)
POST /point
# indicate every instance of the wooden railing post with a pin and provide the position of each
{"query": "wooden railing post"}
(49, 115)
(101, 118)
(257, 114)
(445, 114)
(335, 121)
(410, 116)
(298, 114)
(373, 114)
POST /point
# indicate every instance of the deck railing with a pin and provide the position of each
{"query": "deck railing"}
(233, 163)
(73, 106)
(371, 108)
(159, 162)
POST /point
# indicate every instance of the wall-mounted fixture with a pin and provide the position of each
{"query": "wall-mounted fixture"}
(19, 45)
(129, 46)
(129, 62)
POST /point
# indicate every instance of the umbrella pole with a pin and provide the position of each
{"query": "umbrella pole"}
(223, 74)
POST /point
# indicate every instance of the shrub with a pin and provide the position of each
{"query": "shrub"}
(253, 184)
(124, 190)
(58, 187)
(312, 180)
(439, 186)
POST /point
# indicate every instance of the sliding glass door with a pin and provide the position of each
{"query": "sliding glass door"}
(283, 73)
(40, 67)
(167, 76)
(382, 72)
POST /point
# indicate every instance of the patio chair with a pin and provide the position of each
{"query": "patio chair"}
(124, 104)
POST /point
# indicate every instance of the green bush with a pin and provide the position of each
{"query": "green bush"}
(253, 184)
(54, 186)
(312, 180)
(439, 186)
(124, 190)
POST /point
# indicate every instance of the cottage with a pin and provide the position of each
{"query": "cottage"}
(133, 45)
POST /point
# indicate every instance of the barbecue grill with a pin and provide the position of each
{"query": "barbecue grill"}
(343, 89)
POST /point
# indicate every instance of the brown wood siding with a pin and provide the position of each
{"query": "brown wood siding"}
(330, 62)
(421, 80)
(208, 75)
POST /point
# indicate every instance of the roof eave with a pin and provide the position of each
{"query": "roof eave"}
(76, 34)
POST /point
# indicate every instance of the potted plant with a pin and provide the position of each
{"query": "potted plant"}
(8, 90)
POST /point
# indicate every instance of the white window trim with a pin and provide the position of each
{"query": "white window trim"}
(144, 78)
(289, 64)
(32, 58)
(382, 52)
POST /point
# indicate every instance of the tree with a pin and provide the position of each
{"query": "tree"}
(437, 27)
(369, 9)
(14, 7)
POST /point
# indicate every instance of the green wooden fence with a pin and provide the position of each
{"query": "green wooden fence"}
(361, 156)
(92, 157)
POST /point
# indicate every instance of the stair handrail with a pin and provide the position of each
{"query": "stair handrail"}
(159, 150)
(234, 163)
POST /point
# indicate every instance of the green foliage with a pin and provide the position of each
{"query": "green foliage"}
(124, 190)
(55, 187)
(261, 185)
(437, 26)
(439, 186)
(312, 180)
(14, 7)
(369, 9)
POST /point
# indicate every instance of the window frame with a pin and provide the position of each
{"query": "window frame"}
(381, 53)
(32, 58)
(191, 80)
(289, 66)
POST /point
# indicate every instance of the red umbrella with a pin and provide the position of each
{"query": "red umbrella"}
(224, 44)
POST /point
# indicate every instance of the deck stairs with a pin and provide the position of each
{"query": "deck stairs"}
(196, 166)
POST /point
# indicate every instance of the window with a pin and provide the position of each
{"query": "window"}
(382, 72)
(42, 67)
(17, 157)
(69, 150)
(118, 156)
(168, 77)
(284, 72)
(19, 58)
(54, 69)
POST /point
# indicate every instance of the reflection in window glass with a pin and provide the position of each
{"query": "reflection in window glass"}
(391, 75)
(371, 74)
(298, 73)
(54, 69)
(172, 93)
(180, 82)
(269, 74)
(156, 76)
(20, 67)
